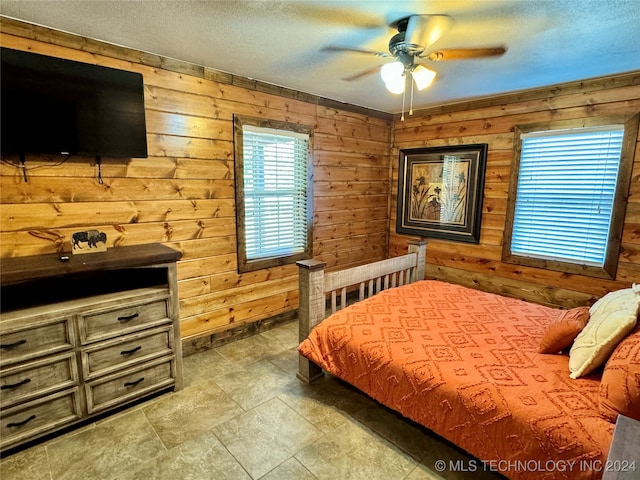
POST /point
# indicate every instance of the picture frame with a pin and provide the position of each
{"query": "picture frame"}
(440, 191)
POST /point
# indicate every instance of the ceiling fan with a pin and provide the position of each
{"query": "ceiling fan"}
(409, 47)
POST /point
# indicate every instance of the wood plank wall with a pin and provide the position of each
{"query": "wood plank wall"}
(183, 194)
(492, 121)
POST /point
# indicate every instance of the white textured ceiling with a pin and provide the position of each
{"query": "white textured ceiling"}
(279, 41)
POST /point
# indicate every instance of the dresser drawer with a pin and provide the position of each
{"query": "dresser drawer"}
(130, 384)
(122, 352)
(34, 379)
(39, 416)
(110, 322)
(27, 340)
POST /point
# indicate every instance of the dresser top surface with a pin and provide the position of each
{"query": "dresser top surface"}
(19, 269)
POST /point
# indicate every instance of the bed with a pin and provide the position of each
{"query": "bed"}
(461, 362)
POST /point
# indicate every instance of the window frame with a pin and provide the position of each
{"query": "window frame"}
(609, 268)
(249, 265)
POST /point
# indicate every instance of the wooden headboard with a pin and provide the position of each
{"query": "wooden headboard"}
(316, 286)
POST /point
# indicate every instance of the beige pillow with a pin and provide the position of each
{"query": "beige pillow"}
(611, 319)
(611, 297)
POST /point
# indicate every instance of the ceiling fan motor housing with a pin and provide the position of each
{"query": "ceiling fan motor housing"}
(404, 52)
(399, 48)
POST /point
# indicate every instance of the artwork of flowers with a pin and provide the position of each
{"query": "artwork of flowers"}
(440, 192)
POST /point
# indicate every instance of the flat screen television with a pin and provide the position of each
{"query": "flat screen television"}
(56, 106)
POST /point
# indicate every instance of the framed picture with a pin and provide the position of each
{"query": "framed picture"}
(440, 192)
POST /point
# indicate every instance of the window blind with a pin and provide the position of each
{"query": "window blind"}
(275, 192)
(566, 189)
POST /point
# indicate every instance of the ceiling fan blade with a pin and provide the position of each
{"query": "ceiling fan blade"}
(365, 73)
(335, 48)
(425, 30)
(464, 53)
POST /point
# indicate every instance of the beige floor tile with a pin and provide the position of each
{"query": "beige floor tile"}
(351, 451)
(287, 361)
(326, 403)
(423, 446)
(191, 412)
(398, 430)
(200, 458)
(250, 350)
(205, 366)
(106, 451)
(289, 470)
(286, 336)
(266, 436)
(255, 384)
(31, 464)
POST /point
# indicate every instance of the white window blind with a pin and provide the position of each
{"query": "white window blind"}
(566, 189)
(275, 192)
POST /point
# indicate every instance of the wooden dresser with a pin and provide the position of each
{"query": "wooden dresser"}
(82, 336)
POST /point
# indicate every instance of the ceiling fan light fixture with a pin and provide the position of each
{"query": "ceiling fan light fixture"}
(393, 76)
(422, 76)
(396, 87)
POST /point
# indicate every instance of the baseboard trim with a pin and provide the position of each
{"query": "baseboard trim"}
(205, 342)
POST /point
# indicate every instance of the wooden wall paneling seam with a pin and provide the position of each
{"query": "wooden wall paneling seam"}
(72, 215)
(505, 123)
(527, 98)
(543, 106)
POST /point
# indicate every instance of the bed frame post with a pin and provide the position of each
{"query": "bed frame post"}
(419, 247)
(311, 311)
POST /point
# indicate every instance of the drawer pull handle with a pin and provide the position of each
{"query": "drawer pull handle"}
(15, 385)
(133, 384)
(126, 318)
(132, 351)
(9, 346)
(22, 423)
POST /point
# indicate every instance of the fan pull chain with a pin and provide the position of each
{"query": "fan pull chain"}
(411, 102)
(404, 94)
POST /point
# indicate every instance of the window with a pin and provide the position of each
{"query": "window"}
(568, 196)
(273, 192)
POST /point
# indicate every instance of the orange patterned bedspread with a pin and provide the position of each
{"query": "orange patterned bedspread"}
(464, 364)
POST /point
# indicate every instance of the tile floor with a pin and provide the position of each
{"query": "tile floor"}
(244, 415)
